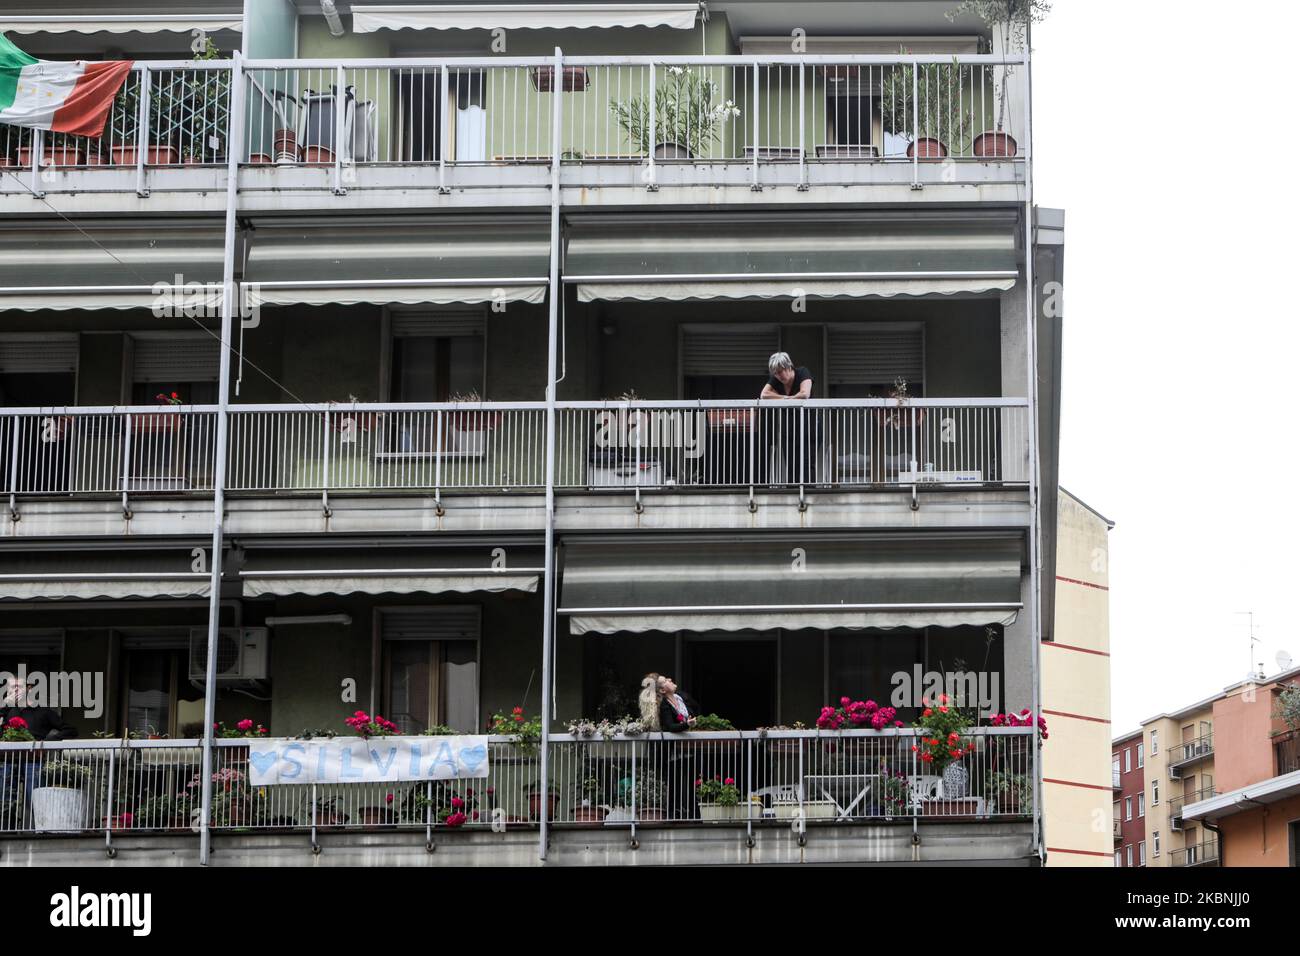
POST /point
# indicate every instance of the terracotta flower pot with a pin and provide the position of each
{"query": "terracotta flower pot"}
(927, 147)
(156, 155)
(317, 156)
(672, 151)
(259, 159)
(285, 145)
(535, 805)
(589, 815)
(163, 422)
(574, 78)
(51, 156)
(994, 145)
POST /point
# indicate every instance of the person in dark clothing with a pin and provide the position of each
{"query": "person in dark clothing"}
(21, 768)
(678, 712)
(791, 432)
(677, 709)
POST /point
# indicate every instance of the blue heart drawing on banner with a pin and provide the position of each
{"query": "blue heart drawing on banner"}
(473, 757)
(264, 761)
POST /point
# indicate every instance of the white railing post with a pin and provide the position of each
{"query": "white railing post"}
(127, 430)
(803, 155)
(652, 132)
(916, 126)
(38, 147)
(16, 422)
(444, 129)
(142, 132)
(340, 113)
(326, 450)
(754, 184)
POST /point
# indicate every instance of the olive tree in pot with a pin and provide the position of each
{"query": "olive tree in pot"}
(1009, 19)
(59, 803)
(929, 104)
(688, 112)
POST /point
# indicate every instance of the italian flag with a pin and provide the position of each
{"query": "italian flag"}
(63, 97)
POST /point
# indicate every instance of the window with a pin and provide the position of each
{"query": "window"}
(38, 369)
(1139, 754)
(1155, 743)
(1128, 760)
(1119, 858)
(430, 667)
(1155, 793)
(865, 360)
(1128, 855)
(436, 355)
(1155, 843)
(852, 113)
(1114, 770)
(186, 363)
(1128, 808)
(728, 361)
(158, 697)
(1142, 853)
(1142, 805)
(1294, 829)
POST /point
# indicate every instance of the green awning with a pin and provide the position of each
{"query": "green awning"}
(611, 585)
(758, 257)
(394, 261)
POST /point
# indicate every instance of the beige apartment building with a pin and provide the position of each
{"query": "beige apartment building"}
(1179, 748)
(1076, 693)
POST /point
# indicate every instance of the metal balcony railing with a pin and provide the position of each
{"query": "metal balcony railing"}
(440, 114)
(1179, 801)
(113, 786)
(1191, 750)
(1286, 752)
(495, 447)
(1198, 854)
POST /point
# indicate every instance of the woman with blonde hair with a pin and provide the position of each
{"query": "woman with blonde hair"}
(648, 700)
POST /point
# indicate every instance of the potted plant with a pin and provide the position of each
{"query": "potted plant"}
(166, 422)
(15, 730)
(325, 812)
(719, 799)
(1008, 793)
(857, 714)
(526, 731)
(893, 796)
(378, 816)
(467, 428)
(589, 795)
(941, 748)
(165, 102)
(688, 117)
(366, 726)
(59, 803)
(712, 722)
(939, 109)
(66, 152)
(535, 791)
(1011, 19)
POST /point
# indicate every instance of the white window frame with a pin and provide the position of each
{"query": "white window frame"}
(1128, 760)
(1142, 853)
(1142, 805)
(1128, 855)
(1155, 793)
(1128, 808)
(1155, 843)
(1155, 743)
(1139, 753)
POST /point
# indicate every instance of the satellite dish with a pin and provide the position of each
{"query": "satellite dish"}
(1283, 661)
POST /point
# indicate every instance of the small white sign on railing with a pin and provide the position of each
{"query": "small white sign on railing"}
(374, 760)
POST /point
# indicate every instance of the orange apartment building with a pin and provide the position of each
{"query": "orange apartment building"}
(1255, 814)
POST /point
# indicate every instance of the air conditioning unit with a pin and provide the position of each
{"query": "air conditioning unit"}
(241, 654)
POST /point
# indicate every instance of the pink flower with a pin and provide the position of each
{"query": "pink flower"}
(245, 724)
(456, 819)
(457, 803)
(388, 798)
(730, 782)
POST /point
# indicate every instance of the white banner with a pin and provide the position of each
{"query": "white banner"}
(376, 760)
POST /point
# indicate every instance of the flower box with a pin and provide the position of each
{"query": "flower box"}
(717, 813)
(157, 422)
(955, 807)
(155, 155)
(812, 810)
(574, 78)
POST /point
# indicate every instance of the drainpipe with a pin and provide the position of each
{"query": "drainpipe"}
(1035, 519)
(1218, 837)
(552, 339)
(233, 145)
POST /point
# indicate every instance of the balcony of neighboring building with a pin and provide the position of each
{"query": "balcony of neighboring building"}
(656, 116)
(1190, 752)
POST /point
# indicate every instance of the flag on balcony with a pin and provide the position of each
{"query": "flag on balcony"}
(65, 97)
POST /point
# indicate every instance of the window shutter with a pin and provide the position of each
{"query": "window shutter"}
(38, 353)
(875, 356)
(718, 350)
(430, 623)
(177, 358)
(438, 323)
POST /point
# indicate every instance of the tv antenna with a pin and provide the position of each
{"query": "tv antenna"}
(1253, 641)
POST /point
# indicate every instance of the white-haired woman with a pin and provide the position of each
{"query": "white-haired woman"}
(791, 434)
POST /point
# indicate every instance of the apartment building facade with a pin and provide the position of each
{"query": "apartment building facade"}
(1077, 784)
(1251, 816)
(499, 285)
(1128, 810)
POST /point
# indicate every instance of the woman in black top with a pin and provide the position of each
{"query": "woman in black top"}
(791, 433)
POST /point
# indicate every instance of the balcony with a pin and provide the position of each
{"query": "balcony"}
(1199, 854)
(365, 133)
(1190, 752)
(1177, 803)
(1286, 751)
(1117, 830)
(142, 796)
(605, 450)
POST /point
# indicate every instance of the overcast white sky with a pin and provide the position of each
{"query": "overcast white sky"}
(1167, 132)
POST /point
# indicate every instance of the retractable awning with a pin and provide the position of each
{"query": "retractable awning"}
(367, 18)
(733, 584)
(435, 262)
(89, 574)
(314, 571)
(124, 23)
(760, 258)
(100, 265)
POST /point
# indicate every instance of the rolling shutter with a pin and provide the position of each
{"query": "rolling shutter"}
(875, 356)
(177, 358)
(719, 350)
(430, 624)
(459, 322)
(50, 353)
